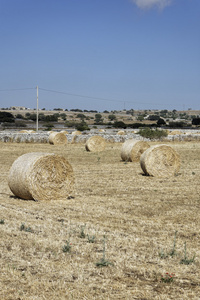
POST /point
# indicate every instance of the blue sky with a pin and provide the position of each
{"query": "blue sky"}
(100, 54)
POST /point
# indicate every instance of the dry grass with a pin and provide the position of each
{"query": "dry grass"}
(138, 215)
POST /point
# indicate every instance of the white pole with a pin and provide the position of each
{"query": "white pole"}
(37, 112)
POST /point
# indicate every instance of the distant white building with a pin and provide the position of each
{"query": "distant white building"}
(18, 108)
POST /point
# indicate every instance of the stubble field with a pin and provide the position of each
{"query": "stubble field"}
(134, 218)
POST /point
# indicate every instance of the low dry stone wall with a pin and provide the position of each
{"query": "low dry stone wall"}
(110, 136)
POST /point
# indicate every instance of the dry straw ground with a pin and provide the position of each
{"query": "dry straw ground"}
(138, 215)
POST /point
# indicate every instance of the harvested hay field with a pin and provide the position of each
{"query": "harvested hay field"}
(119, 218)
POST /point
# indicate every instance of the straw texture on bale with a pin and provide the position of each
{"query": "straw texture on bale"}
(95, 143)
(160, 161)
(41, 176)
(132, 149)
(57, 138)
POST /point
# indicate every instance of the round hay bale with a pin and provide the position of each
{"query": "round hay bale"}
(175, 132)
(74, 139)
(23, 131)
(95, 144)
(77, 132)
(101, 130)
(65, 131)
(41, 176)
(121, 132)
(160, 161)
(57, 138)
(132, 149)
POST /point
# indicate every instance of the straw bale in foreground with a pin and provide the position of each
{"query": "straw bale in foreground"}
(41, 176)
(57, 138)
(160, 161)
(95, 143)
(132, 149)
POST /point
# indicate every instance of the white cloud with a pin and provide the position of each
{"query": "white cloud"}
(145, 4)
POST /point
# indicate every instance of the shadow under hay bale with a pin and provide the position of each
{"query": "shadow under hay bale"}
(57, 138)
(160, 161)
(132, 149)
(41, 176)
(95, 144)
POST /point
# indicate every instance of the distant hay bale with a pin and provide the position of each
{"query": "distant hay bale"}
(95, 143)
(57, 138)
(77, 132)
(31, 131)
(41, 176)
(175, 132)
(132, 149)
(65, 131)
(23, 131)
(74, 139)
(121, 132)
(101, 130)
(160, 161)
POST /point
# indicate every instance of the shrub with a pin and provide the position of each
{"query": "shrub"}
(119, 124)
(152, 133)
(82, 126)
(6, 117)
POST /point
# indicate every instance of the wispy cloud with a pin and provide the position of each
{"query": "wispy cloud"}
(147, 4)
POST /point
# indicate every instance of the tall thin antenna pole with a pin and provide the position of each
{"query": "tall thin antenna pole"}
(37, 112)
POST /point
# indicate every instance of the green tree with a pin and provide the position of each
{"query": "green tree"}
(6, 117)
(82, 126)
(81, 116)
(161, 122)
(98, 119)
(112, 117)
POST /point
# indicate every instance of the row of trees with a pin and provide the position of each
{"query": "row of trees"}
(6, 117)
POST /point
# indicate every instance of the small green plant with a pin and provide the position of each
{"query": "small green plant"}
(103, 262)
(82, 233)
(172, 252)
(186, 260)
(24, 228)
(91, 239)
(2, 221)
(167, 277)
(67, 247)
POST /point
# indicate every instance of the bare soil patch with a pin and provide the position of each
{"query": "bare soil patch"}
(136, 215)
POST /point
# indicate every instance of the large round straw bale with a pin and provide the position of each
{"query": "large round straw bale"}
(57, 138)
(160, 161)
(95, 143)
(132, 149)
(41, 176)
